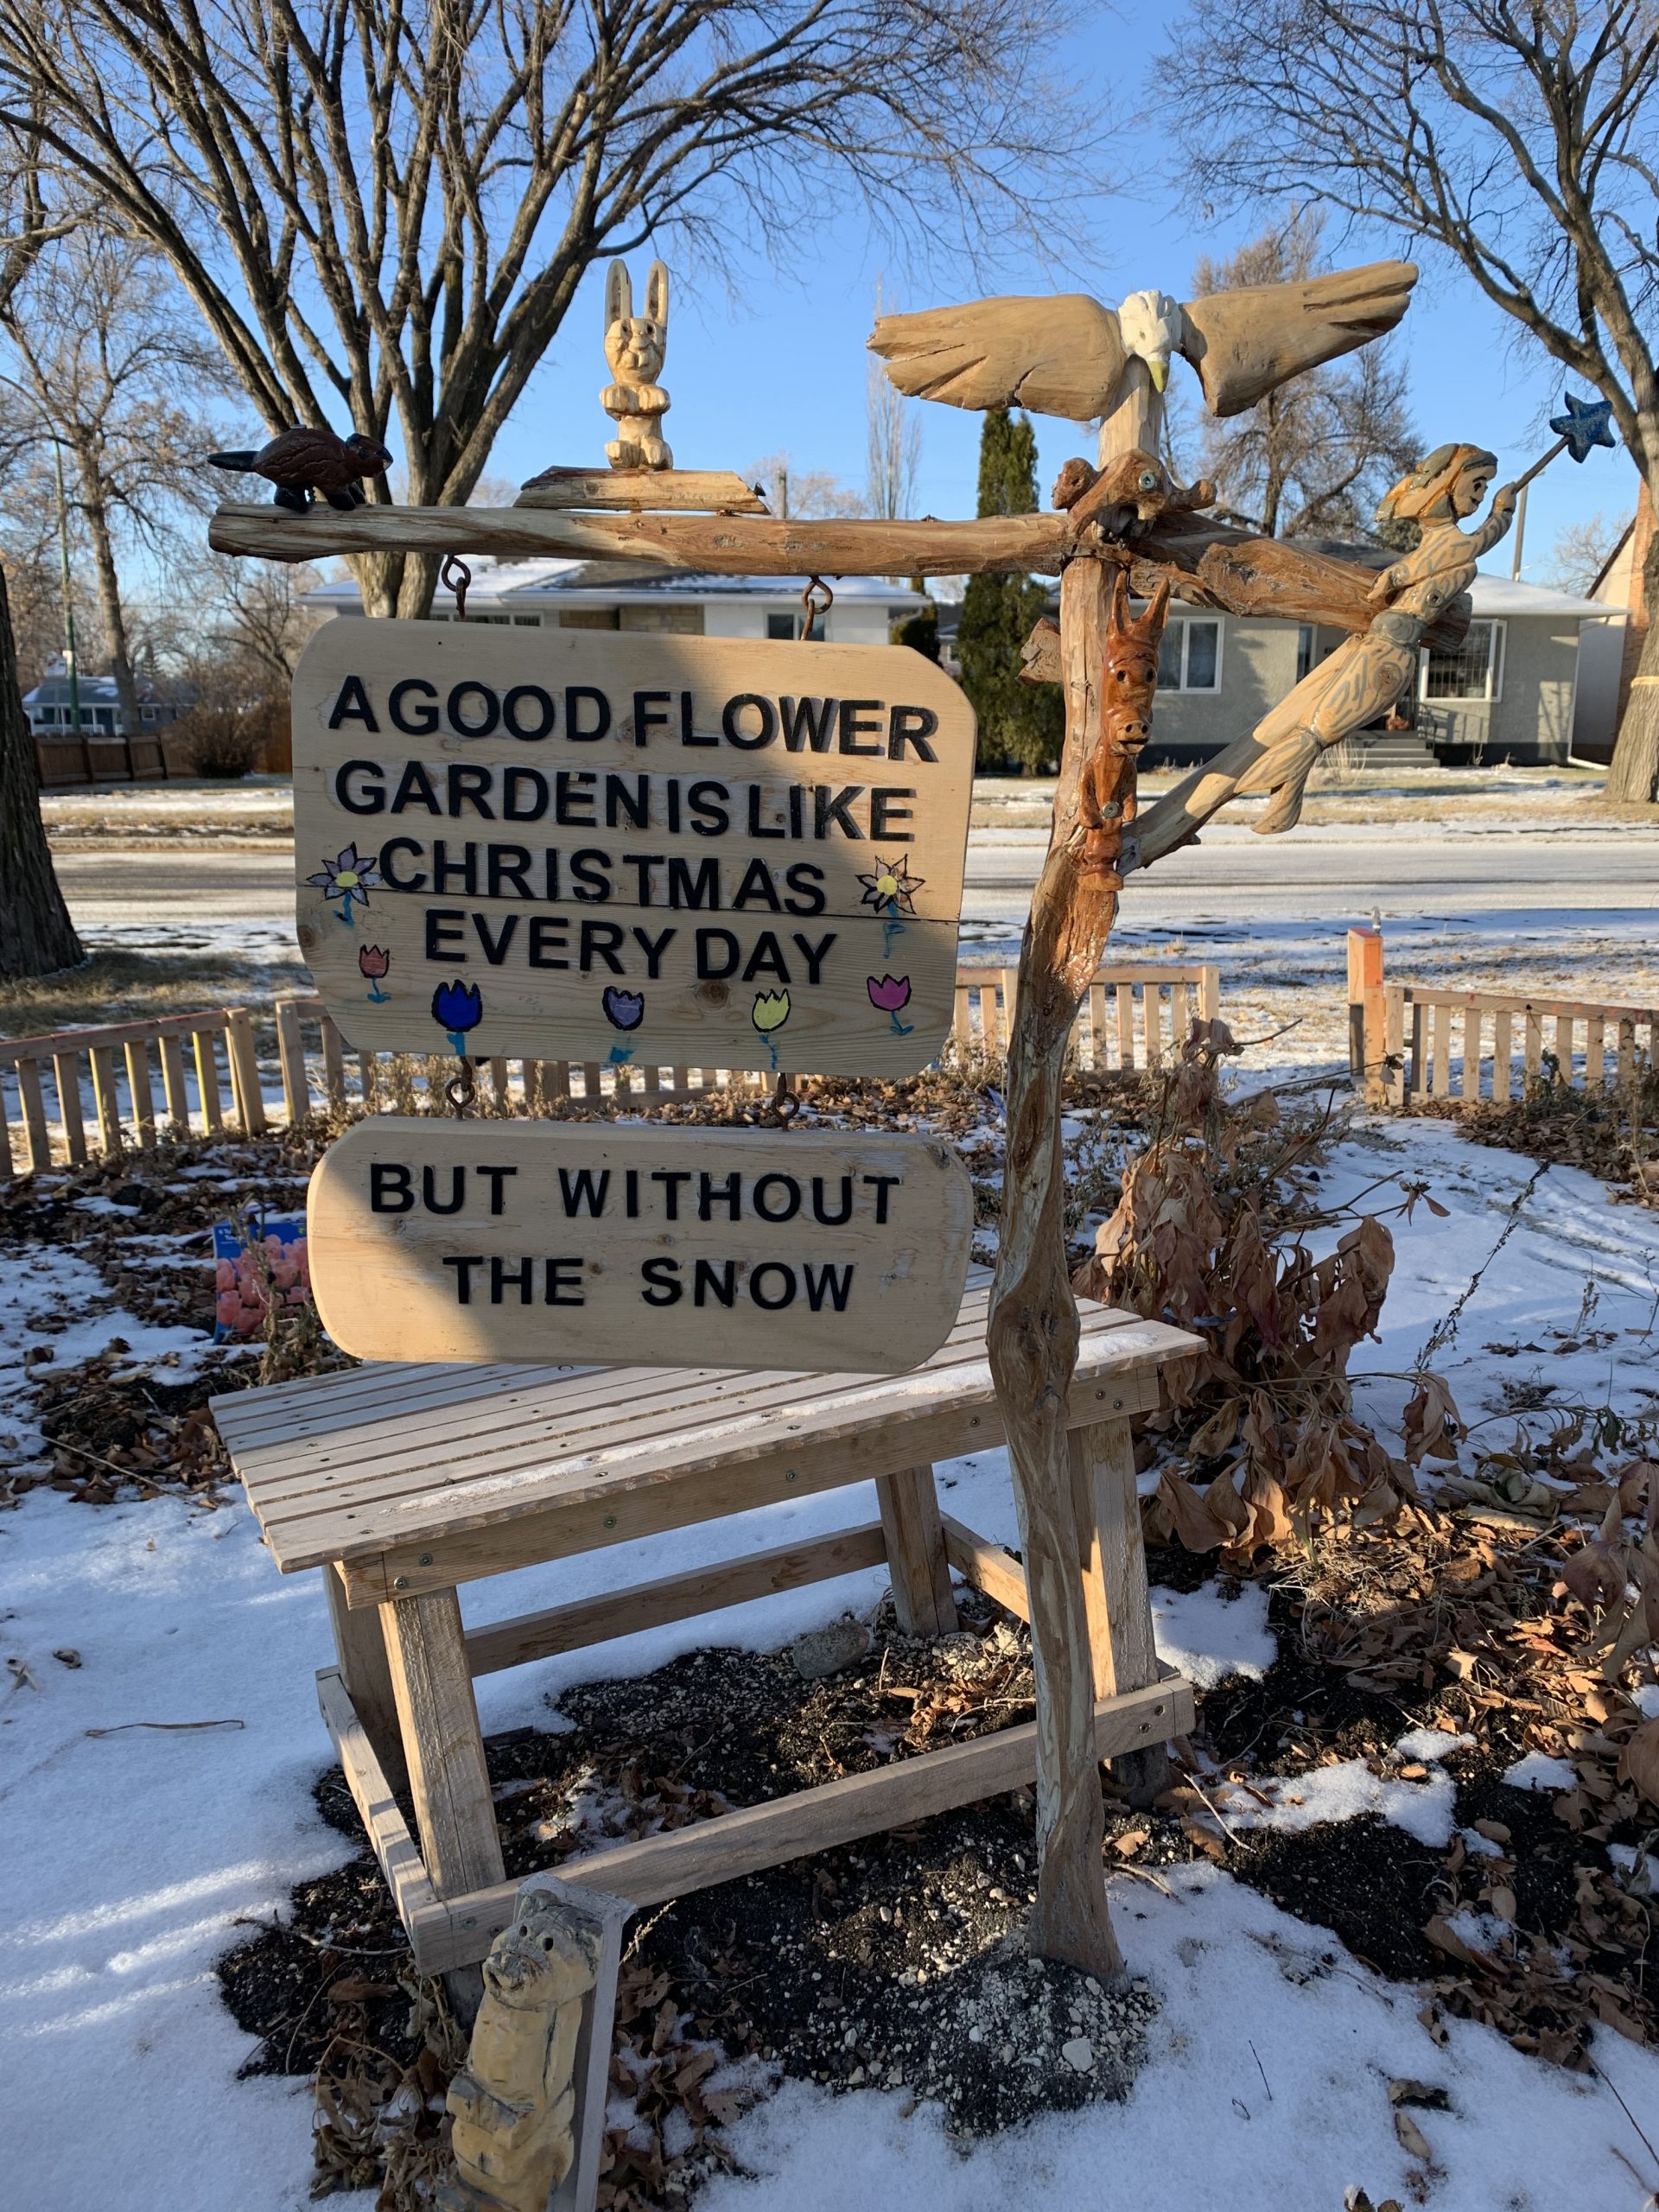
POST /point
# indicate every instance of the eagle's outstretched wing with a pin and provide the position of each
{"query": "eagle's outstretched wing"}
(1243, 343)
(1059, 355)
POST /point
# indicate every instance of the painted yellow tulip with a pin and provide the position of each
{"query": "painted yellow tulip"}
(770, 1011)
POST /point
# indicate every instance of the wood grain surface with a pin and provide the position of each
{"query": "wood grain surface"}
(819, 1251)
(650, 849)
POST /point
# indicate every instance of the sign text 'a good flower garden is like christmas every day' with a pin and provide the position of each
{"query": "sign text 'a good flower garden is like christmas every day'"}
(656, 850)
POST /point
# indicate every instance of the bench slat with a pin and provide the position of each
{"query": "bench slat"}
(528, 1457)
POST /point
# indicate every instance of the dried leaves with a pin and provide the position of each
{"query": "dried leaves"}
(1211, 1233)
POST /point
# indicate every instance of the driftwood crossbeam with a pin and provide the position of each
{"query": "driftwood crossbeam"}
(1207, 563)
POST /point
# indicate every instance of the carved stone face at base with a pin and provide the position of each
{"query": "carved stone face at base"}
(541, 1960)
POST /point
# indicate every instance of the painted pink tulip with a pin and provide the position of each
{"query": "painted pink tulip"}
(889, 993)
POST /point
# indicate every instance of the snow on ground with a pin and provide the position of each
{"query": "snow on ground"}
(1267, 2090)
(131, 1856)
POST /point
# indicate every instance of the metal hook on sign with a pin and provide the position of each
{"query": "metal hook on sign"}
(813, 607)
(454, 575)
(461, 1090)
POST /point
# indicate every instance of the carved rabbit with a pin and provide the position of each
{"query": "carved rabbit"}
(635, 345)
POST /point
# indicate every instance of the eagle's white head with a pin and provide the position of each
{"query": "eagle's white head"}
(1150, 324)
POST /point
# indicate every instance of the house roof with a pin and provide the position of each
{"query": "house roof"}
(1504, 595)
(528, 584)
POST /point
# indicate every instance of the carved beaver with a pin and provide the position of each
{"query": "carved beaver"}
(511, 2106)
(303, 461)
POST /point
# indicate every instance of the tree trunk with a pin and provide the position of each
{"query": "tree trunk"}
(1033, 1319)
(1633, 778)
(36, 936)
(111, 614)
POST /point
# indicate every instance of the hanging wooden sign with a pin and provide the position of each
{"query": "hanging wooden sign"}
(824, 1251)
(657, 849)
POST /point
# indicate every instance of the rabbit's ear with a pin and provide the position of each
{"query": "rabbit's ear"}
(656, 294)
(618, 294)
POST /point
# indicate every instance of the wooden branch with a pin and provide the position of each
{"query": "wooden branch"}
(644, 491)
(1032, 1335)
(1208, 563)
(741, 545)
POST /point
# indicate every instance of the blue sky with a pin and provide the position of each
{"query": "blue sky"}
(781, 363)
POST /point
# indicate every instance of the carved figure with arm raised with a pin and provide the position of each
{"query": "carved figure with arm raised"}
(1366, 674)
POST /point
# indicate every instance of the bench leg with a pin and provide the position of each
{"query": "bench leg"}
(444, 1747)
(915, 1540)
(1115, 1585)
(360, 1646)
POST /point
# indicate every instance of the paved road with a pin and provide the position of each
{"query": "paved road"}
(1235, 877)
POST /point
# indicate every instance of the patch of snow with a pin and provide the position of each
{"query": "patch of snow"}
(1209, 1637)
(1430, 1744)
(1327, 1794)
(1539, 1771)
(1253, 2003)
(1478, 1845)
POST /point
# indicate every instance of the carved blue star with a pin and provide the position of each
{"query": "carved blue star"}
(1585, 423)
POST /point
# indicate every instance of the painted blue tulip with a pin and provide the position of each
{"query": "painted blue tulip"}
(623, 1009)
(457, 1007)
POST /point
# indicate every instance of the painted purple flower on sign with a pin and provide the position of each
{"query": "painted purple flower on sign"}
(457, 1007)
(889, 994)
(623, 1009)
(347, 877)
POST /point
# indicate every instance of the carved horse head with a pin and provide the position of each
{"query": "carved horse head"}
(1129, 677)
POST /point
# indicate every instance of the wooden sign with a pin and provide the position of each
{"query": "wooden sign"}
(826, 1250)
(668, 850)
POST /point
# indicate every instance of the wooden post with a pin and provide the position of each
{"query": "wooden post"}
(1114, 1556)
(916, 1559)
(1366, 1051)
(437, 1715)
(360, 1641)
(1033, 1338)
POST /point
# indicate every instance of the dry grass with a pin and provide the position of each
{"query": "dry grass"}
(124, 986)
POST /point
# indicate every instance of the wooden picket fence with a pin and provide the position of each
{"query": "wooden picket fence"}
(123, 1062)
(365, 1081)
(1132, 1017)
(1407, 1042)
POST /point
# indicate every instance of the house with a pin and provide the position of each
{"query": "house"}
(1505, 695)
(1612, 648)
(627, 595)
(103, 748)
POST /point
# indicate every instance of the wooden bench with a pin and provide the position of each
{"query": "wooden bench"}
(403, 1482)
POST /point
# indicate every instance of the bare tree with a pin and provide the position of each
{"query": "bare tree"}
(108, 367)
(36, 935)
(807, 494)
(1320, 450)
(1582, 549)
(1516, 136)
(385, 211)
(893, 440)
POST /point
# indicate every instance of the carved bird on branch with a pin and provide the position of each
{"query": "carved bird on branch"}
(1066, 354)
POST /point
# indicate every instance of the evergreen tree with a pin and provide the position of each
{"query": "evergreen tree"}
(1020, 722)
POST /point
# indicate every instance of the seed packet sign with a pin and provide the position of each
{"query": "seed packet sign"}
(663, 850)
(435, 1239)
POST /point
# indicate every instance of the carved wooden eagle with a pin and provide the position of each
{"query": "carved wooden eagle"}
(1066, 354)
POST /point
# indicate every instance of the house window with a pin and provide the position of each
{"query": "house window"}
(1306, 641)
(526, 621)
(1473, 670)
(676, 621)
(588, 617)
(783, 626)
(1189, 659)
